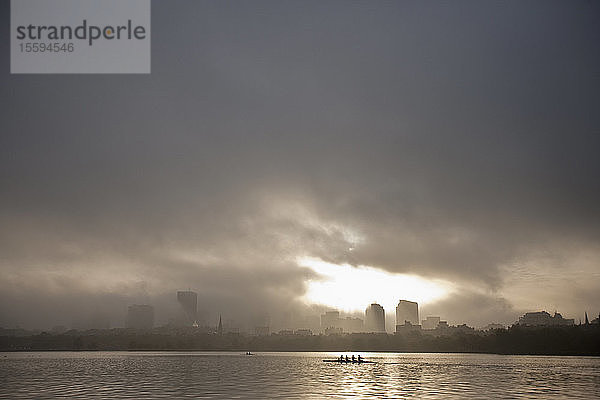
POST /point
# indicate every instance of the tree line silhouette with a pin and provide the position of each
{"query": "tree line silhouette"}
(573, 340)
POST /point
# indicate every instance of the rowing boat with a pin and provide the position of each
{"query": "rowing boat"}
(349, 361)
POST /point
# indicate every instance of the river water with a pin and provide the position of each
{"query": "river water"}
(213, 375)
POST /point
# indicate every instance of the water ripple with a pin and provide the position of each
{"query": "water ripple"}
(294, 376)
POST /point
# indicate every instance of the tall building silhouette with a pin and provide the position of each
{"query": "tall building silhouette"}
(374, 318)
(407, 311)
(331, 319)
(188, 301)
(140, 316)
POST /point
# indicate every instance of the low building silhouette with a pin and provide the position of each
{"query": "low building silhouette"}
(407, 327)
(333, 331)
(262, 331)
(493, 326)
(442, 326)
(430, 323)
(542, 318)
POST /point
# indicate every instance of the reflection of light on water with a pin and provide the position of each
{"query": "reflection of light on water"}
(350, 288)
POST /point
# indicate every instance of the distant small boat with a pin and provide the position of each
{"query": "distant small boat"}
(249, 354)
(337, 360)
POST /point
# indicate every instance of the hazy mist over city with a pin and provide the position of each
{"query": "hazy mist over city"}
(445, 154)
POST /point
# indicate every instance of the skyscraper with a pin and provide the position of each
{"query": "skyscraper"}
(407, 311)
(331, 319)
(374, 318)
(189, 304)
(140, 316)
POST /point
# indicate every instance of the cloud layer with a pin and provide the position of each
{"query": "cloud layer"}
(454, 143)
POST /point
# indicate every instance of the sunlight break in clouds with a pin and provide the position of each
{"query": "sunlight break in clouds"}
(349, 288)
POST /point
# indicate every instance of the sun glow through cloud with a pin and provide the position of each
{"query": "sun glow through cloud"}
(349, 288)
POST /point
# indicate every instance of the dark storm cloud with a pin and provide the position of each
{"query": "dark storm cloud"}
(449, 141)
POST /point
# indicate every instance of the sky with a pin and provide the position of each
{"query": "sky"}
(440, 152)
